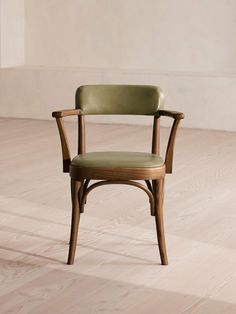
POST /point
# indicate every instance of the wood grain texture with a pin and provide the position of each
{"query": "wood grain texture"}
(116, 270)
(66, 113)
(170, 147)
(171, 113)
(133, 183)
(64, 145)
(81, 135)
(75, 187)
(159, 198)
(156, 136)
(110, 173)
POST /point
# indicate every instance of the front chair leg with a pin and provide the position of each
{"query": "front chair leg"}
(159, 193)
(75, 186)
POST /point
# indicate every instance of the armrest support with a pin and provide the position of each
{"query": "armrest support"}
(170, 146)
(177, 116)
(64, 142)
(66, 112)
(63, 137)
(64, 145)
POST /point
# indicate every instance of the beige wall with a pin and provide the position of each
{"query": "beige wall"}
(35, 92)
(11, 33)
(186, 47)
(196, 36)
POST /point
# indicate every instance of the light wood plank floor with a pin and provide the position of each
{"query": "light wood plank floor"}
(117, 268)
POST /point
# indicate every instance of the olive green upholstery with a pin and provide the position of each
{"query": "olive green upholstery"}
(119, 99)
(117, 160)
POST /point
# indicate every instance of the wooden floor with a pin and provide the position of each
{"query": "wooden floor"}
(117, 268)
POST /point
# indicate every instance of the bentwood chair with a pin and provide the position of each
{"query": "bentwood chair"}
(118, 167)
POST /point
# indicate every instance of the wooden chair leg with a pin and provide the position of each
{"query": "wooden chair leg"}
(159, 193)
(81, 190)
(75, 186)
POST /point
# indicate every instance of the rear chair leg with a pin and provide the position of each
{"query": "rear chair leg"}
(75, 186)
(159, 197)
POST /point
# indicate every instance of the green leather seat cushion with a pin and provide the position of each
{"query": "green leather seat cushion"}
(117, 160)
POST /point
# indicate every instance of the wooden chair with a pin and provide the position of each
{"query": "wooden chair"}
(118, 167)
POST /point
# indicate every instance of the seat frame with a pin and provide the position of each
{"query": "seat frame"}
(153, 176)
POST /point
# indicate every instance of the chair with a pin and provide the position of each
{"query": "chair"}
(118, 167)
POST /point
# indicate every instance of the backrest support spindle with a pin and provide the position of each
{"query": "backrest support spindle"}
(81, 135)
(156, 136)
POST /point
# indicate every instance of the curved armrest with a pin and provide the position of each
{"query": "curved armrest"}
(170, 146)
(64, 142)
(64, 145)
(66, 112)
(168, 113)
(177, 116)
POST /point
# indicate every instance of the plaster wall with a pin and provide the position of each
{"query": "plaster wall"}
(12, 27)
(186, 47)
(197, 36)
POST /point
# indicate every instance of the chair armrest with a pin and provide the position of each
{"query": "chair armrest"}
(177, 116)
(64, 145)
(168, 113)
(173, 114)
(66, 112)
(170, 146)
(63, 137)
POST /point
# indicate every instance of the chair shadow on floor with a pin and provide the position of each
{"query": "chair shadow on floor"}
(14, 230)
(67, 225)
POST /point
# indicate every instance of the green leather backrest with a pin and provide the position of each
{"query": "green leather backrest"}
(119, 99)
